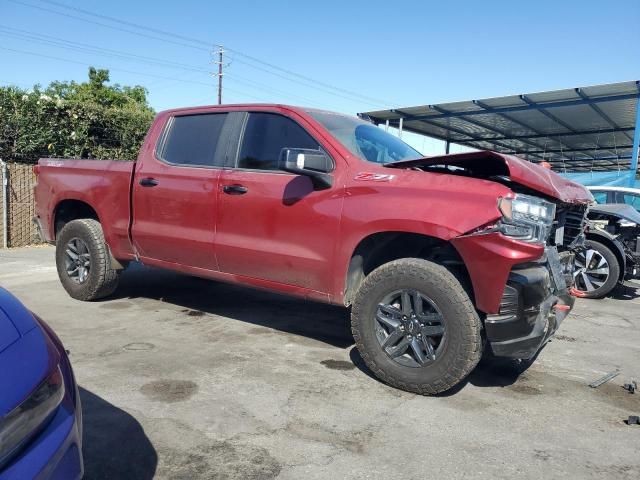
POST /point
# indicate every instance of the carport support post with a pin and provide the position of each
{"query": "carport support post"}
(386, 126)
(5, 214)
(400, 128)
(636, 142)
(447, 144)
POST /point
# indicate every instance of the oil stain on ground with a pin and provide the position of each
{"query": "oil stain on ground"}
(169, 391)
(338, 364)
(221, 460)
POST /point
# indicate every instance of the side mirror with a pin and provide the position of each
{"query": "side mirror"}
(314, 164)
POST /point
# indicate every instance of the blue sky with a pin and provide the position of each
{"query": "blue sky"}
(379, 53)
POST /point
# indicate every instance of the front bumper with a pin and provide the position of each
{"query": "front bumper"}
(535, 301)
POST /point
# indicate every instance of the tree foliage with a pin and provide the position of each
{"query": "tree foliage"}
(68, 119)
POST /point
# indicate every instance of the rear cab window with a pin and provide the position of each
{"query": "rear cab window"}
(192, 140)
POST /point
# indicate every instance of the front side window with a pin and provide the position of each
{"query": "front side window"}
(365, 140)
(265, 135)
(600, 197)
(193, 139)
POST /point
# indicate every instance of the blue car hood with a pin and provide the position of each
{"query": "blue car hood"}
(26, 353)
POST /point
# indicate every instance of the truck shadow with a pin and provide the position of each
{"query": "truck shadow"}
(114, 443)
(490, 372)
(325, 323)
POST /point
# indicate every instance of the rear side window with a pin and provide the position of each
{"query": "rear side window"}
(633, 200)
(193, 139)
(265, 135)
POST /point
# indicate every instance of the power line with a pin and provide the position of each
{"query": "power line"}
(67, 44)
(83, 47)
(204, 43)
(285, 73)
(121, 70)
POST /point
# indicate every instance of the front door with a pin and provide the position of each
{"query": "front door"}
(273, 225)
(174, 193)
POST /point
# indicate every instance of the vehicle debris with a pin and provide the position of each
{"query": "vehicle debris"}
(605, 379)
(631, 387)
(633, 420)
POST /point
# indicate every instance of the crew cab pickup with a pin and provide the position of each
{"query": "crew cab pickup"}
(439, 258)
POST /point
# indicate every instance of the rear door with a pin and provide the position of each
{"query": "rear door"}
(273, 225)
(174, 192)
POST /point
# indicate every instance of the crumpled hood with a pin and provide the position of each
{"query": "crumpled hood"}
(487, 164)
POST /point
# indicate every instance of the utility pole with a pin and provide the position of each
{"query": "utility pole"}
(219, 62)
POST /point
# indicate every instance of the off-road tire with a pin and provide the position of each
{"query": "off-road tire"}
(102, 280)
(614, 270)
(464, 344)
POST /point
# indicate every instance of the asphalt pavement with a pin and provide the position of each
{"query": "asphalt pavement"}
(183, 378)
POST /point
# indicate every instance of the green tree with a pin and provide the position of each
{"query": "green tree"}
(91, 119)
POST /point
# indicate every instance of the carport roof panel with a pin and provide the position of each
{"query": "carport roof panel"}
(580, 128)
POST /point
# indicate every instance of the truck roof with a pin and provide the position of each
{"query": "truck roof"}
(238, 106)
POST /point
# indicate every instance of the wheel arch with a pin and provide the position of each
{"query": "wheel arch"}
(382, 247)
(71, 209)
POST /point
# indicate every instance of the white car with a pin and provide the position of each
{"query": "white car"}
(604, 194)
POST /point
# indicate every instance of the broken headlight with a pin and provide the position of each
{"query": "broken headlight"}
(526, 218)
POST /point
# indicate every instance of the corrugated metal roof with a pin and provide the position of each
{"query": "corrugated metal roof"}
(577, 129)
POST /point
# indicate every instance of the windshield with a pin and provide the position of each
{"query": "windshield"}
(364, 139)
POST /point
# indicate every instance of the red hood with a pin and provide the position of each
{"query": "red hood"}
(486, 164)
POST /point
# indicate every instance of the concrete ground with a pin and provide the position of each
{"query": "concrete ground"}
(183, 378)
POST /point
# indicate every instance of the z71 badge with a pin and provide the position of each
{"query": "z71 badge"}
(374, 177)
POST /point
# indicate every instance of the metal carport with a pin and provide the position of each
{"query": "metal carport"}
(592, 129)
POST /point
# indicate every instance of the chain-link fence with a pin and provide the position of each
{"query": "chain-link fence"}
(20, 230)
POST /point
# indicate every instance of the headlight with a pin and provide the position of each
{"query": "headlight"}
(24, 421)
(526, 218)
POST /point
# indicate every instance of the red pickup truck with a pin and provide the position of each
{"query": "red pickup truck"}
(439, 258)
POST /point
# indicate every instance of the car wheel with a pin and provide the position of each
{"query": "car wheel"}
(416, 327)
(597, 270)
(83, 261)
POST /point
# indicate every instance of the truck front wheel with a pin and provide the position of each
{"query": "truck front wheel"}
(83, 261)
(416, 327)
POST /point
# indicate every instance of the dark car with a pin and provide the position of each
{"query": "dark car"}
(40, 415)
(612, 250)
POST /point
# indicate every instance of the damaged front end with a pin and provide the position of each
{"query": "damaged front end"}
(521, 263)
(536, 275)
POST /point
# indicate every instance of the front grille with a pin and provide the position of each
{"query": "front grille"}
(572, 218)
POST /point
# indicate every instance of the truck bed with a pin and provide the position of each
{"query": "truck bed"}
(103, 184)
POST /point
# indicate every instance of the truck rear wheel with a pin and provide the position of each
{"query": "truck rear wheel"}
(416, 327)
(597, 270)
(83, 261)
